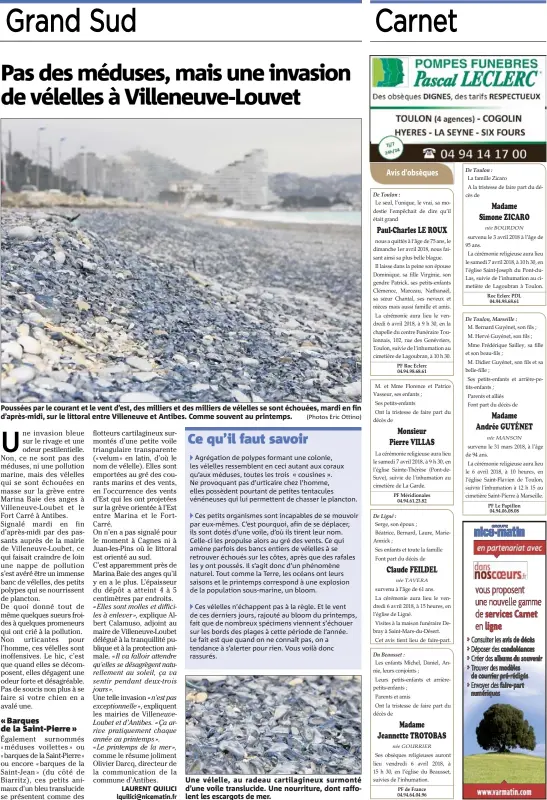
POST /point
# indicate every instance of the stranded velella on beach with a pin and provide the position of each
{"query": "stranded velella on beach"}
(268, 725)
(129, 304)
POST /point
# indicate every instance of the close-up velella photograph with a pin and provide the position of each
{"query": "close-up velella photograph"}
(273, 725)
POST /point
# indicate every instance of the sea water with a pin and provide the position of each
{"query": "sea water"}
(309, 216)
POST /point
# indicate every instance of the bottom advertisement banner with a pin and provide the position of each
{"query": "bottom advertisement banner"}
(504, 789)
(504, 659)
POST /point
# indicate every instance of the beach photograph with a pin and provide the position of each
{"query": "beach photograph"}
(196, 261)
(274, 725)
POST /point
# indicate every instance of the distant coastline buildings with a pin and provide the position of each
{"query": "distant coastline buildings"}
(243, 182)
(118, 176)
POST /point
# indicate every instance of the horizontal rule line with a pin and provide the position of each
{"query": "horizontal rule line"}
(179, 41)
(464, 41)
(475, 2)
(192, 2)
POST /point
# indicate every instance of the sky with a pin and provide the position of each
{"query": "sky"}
(312, 147)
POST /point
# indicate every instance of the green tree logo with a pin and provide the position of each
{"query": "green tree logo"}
(503, 728)
(387, 72)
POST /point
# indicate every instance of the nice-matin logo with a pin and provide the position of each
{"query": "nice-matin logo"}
(387, 72)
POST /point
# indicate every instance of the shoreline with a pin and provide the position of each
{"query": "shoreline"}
(313, 227)
(50, 203)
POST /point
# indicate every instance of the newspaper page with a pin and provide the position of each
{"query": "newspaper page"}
(457, 400)
(236, 562)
